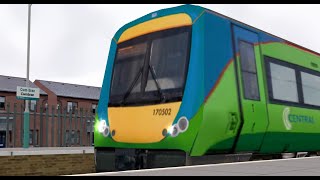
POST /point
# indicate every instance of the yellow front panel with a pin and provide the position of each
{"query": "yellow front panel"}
(158, 24)
(141, 124)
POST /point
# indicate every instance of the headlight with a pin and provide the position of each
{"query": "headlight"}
(174, 131)
(105, 133)
(183, 124)
(102, 126)
(180, 127)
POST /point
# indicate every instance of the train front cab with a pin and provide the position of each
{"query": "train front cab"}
(146, 118)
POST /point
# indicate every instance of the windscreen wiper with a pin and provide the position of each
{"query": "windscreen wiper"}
(126, 95)
(154, 76)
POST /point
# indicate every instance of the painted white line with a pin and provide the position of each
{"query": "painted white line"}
(45, 151)
(194, 166)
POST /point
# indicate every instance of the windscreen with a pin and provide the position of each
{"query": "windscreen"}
(151, 68)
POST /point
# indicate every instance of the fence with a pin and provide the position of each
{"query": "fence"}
(49, 127)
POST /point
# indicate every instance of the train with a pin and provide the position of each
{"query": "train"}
(187, 85)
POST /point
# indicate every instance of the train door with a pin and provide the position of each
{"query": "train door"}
(2, 139)
(254, 119)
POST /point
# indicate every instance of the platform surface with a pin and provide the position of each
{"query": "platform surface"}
(309, 166)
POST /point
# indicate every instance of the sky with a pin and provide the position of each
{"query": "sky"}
(70, 42)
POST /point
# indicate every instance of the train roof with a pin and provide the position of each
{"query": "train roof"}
(194, 11)
(252, 27)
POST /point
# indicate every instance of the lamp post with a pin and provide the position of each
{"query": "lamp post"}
(26, 122)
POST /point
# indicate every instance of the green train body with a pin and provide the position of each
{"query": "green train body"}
(243, 90)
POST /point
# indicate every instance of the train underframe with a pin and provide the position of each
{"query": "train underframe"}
(114, 159)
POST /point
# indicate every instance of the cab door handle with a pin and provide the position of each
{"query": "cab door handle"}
(233, 121)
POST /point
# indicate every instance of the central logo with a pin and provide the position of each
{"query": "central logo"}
(289, 118)
(285, 118)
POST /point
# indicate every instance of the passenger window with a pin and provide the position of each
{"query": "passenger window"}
(248, 71)
(310, 89)
(283, 83)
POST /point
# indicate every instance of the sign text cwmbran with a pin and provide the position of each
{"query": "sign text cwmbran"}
(27, 93)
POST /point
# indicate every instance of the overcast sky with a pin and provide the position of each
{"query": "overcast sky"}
(70, 43)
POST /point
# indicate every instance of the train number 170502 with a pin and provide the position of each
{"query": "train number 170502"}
(162, 112)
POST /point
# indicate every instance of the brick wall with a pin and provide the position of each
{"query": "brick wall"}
(42, 163)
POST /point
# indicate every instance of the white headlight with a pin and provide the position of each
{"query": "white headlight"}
(170, 130)
(102, 126)
(174, 130)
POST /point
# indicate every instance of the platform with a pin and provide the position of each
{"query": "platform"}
(308, 166)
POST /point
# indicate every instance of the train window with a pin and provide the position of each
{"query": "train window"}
(248, 60)
(283, 83)
(151, 68)
(168, 60)
(310, 89)
(249, 72)
(127, 68)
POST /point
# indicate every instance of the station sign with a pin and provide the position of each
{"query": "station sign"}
(28, 93)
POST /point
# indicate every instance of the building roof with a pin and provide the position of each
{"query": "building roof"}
(72, 90)
(9, 84)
